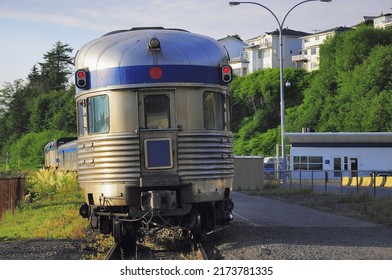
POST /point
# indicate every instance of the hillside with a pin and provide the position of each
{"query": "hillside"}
(352, 91)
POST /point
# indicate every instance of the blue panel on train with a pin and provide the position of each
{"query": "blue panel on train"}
(158, 153)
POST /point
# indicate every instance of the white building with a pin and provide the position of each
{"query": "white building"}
(341, 152)
(262, 52)
(309, 57)
(383, 21)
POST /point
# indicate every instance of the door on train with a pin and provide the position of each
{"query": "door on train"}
(158, 136)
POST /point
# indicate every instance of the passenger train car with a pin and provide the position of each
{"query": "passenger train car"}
(61, 153)
(154, 144)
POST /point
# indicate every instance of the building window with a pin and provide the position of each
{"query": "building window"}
(313, 65)
(237, 71)
(267, 53)
(308, 163)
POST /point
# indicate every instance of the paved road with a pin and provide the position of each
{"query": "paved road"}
(268, 229)
(260, 211)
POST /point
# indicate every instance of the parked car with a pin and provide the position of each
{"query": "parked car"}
(269, 167)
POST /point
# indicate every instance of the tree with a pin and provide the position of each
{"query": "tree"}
(55, 69)
(14, 113)
(256, 106)
(34, 78)
(7, 93)
(345, 95)
(27, 152)
(54, 110)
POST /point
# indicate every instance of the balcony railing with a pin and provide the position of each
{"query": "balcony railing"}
(239, 59)
(299, 58)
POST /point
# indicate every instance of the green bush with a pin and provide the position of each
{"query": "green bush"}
(27, 152)
(49, 183)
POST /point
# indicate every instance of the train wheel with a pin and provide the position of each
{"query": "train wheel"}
(197, 230)
(125, 236)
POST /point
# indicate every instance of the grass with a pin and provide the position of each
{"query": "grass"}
(51, 209)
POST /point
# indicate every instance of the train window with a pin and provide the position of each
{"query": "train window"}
(157, 111)
(213, 103)
(98, 116)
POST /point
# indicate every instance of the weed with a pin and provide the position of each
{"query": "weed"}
(271, 186)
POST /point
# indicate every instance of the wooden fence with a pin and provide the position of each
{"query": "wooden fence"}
(12, 192)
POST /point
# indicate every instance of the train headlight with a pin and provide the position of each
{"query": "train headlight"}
(154, 44)
(82, 80)
(226, 73)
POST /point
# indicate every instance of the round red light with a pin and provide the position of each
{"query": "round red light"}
(81, 74)
(226, 69)
(155, 73)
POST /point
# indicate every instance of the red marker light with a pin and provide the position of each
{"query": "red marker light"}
(226, 73)
(156, 73)
(81, 74)
(82, 79)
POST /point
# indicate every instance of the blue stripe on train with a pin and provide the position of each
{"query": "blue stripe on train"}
(125, 75)
(67, 150)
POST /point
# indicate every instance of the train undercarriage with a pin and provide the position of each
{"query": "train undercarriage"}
(162, 209)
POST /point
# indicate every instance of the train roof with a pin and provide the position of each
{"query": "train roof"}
(119, 57)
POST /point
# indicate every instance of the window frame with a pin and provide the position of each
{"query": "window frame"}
(312, 163)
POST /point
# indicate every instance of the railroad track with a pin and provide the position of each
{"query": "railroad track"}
(189, 249)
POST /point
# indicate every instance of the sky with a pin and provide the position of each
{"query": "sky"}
(30, 28)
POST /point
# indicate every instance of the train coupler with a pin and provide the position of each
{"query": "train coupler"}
(84, 210)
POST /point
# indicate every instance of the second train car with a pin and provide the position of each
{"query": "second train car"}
(154, 143)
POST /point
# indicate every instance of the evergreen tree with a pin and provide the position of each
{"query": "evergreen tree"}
(55, 70)
(34, 78)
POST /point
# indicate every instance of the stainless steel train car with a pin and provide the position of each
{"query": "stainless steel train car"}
(59, 153)
(154, 141)
(67, 156)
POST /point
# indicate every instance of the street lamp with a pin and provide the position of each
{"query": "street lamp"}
(280, 24)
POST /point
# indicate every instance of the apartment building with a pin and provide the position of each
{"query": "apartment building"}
(300, 49)
(309, 57)
(262, 52)
(383, 21)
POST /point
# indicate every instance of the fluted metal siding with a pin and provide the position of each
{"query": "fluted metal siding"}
(114, 158)
(205, 155)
